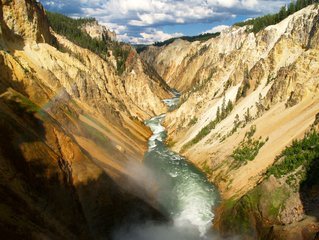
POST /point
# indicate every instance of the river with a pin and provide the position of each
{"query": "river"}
(184, 193)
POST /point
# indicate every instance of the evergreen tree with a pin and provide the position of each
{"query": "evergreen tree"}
(236, 121)
(218, 114)
(260, 23)
(71, 29)
(247, 116)
(282, 13)
(229, 107)
(291, 8)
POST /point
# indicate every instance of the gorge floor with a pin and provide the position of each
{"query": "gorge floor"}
(182, 191)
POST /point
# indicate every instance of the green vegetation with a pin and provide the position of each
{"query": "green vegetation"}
(139, 47)
(71, 29)
(248, 148)
(261, 23)
(201, 38)
(121, 53)
(193, 121)
(237, 214)
(301, 153)
(260, 204)
(221, 114)
(206, 168)
(228, 84)
(247, 151)
(242, 90)
(248, 116)
(251, 132)
(270, 79)
(23, 103)
(170, 143)
(237, 124)
(260, 106)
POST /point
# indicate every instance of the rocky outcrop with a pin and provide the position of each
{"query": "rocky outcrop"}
(25, 20)
(270, 211)
(284, 204)
(70, 127)
(245, 97)
(98, 31)
(269, 80)
(169, 63)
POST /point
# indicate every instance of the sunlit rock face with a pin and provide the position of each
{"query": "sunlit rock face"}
(71, 124)
(241, 90)
(99, 32)
(25, 19)
(271, 75)
(70, 127)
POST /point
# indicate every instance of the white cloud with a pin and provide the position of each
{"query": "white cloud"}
(150, 37)
(136, 17)
(250, 3)
(226, 3)
(215, 29)
(115, 27)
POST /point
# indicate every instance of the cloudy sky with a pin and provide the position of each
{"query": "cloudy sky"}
(146, 21)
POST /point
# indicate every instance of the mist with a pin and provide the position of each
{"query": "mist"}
(174, 186)
(148, 184)
(152, 231)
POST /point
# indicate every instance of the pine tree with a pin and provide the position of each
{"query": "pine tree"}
(247, 116)
(229, 107)
(218, 114)
(282, 13)
(291, 8)
(236, 121)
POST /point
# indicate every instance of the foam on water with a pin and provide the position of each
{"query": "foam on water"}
(187, 195)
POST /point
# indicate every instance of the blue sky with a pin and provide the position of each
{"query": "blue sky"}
(146, 21)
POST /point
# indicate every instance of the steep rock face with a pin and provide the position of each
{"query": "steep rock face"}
(88, 77)
(25, 19)
(270, 80)
(53, 184)
(70, 127)
(245, 98)
(170, 63)
(284, 205)
(270, 211)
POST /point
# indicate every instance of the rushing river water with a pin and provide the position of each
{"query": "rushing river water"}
(183, 191)
(188, 196)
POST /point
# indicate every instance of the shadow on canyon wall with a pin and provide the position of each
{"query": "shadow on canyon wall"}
(39, 198)
(309, 190)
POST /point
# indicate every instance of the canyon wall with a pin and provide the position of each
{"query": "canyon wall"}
(70, 127)
(245, 97)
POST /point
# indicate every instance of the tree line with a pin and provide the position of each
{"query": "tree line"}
(202, 38)
(261, 23)
(71, 29)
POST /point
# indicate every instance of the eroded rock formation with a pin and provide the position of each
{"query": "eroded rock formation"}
(70, 125)
(245, 97)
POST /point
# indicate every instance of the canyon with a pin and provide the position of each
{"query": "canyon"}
(74, 143)
(246, 92)
(70, 128)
